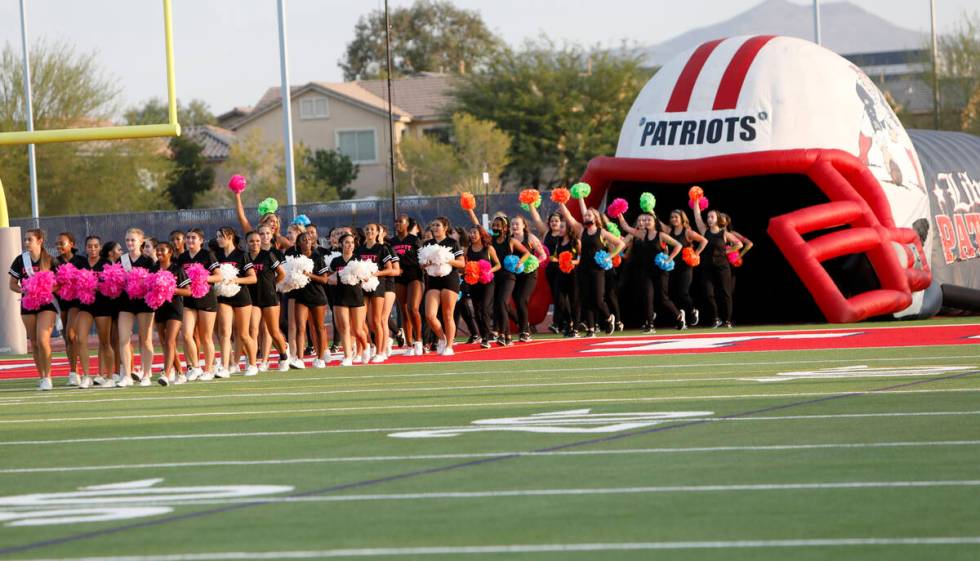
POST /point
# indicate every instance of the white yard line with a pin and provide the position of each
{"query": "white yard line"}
(532, 548)
(476, 405)
(422, 457)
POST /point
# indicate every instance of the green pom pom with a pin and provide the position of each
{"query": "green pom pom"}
(614, 230)
(527, 207)
(268, 206)
(647, 202)
(531, 264)
(581, 190)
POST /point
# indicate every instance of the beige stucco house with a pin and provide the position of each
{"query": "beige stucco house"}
(351, 117)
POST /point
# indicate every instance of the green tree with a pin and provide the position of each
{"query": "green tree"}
(70, 90)
(561, 106)
(959, 74)
(431, 167)
(154, 111)
(428, 36)
(329, 174)
(190, 176)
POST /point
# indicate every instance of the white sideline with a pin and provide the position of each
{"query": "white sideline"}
(529, 548)
(416, 457)
(486, 404)
(403, 429)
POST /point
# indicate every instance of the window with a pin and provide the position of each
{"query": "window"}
(359, 146)
(313, 108)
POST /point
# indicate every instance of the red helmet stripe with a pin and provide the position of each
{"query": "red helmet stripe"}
(681, 96)
(731, 82)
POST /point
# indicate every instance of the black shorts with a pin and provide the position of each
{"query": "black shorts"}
(168, 311)
(66, 305)
(209, 303)
(44, 308)
(240, 300)
(408, 275)
(349, 296)
(448, 282)
(134, 306)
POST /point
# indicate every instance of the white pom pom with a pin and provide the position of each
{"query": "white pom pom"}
(227, 287)
(435, 259)
(295, 268)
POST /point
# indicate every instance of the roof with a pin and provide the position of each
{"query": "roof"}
(215, 141)
(423, 97)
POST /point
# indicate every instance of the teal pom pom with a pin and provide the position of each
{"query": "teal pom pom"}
(268, 206)
(603, 259)
(512, 263)
(648, 202)
(614, 230)
(664, 262)
(581, 190)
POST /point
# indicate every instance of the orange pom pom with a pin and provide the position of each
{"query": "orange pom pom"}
(529, 196)
(561, 195)
(467, 201)
(472, 272)
(690, 257)
(617, 260)
(695, 193)
(565, 259)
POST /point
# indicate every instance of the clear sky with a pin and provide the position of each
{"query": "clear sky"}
(227, 50)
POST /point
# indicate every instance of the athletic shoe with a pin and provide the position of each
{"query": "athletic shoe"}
(620, 326)
(163, 380)
(389, 345)
(378, 359)
(681, 321)
(207, 376)
(371, 351)
(695, 316)
(554, 329)
(297, 363)
(501, 340)
(358, 359)
(717, 324)
(485, 344)
(45, 385)
(472, 339)
(524, 337)
(194, 374)
(124, 381)
(145, 381)
(508, 342)
(590, 332)
(729, 324)
(410, 351)
(319, 363)
(400, 337)
(85, 383)
(252, 370)
(649, 330)
(284, 364)
(109, 384)
(116, 378)
(448, 351)
(368, 355)
(235, 369)
(441, 346)
(222, 373)
(72, 379)
(347, 362)
(610, 324)
(308, 350)
(99, 380)
(136, 375)
(419, 350)
(264, 366)
(181, 379)
(334, 348)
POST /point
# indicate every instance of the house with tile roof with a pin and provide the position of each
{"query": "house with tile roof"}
(352, 118)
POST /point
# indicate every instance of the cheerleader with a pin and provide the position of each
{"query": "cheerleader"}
(408, 284)
(310, 302)
(67, 254)
(38, 323)
(177, 242)
(503, 245)
(149, 249)
(348, 302)
(199, 313)
(524, 283)
(134, 312)
(107, 314)
(87, 317)
(726, 221)
(443, 291)
(293, 233)
(717, 270)
(646, 241)
(168, 316)
(558, 238)
(591, 277)
(379, 253)
(269, 219)
(267, 264)
(683, 274)
(481, 294)
(235, 312)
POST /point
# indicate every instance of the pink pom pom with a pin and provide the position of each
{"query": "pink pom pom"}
(66, 278)
(237, 183)
(486, 275)
(86, 285)
(38, 290)
(112, 280)
(136, 282)
(617, 208)
(199, 280)
(702, 202)
(160, 288)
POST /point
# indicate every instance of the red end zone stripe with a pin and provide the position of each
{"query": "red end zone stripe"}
(738, 68)
(681, 96)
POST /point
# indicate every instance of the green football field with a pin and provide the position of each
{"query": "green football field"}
(862, 454)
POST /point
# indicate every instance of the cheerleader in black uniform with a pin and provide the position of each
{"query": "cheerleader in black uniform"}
(86, 318)
(503, 280)
(106, 313)
(169, 315)
(717, 271)
(199, 313)
(524, 283)
(558, 238)
(379, 253)
(408, 285)
(293, 233)
(267, 264)
(646, 241)
(682, 275)
(310, 302)
(270, 219)
(348, 302)
(443, 291)
(482, 294)
(134, 312)
(69, 308)
(235, 312)
(38, 323)
(590, 277)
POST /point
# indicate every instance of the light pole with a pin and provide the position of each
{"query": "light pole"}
(29, 116)
(287, 113)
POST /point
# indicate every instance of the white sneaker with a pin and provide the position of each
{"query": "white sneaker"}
(117, 377)
(45, 385)
(264, 366)
(124, 382)
(85, 383)
(347, 362)
(207, 376)
(389, 346)
(441, 346)
(419, 351)
(448, 351)
(379, 358)
(163, 380)
(194, 374)
(284, 364)
(252, 370)
(410, 351)
(367, 356)
(372, 351)
(297, 363)
(235, 369)
(222, 373)
(72, 379)
(99, 380)
(145, 381)
(181, 379)
(358, 359)
(319, 363)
